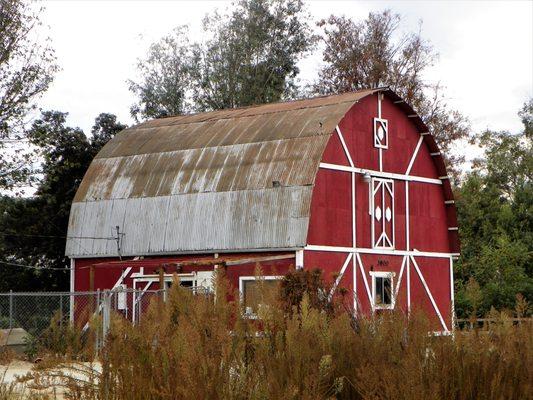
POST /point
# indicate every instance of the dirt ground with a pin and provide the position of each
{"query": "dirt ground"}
(29, 378)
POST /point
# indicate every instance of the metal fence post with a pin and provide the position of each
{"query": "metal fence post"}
(10, 309)
(60, 310)
(95, 312)
(71, 308)
(106, 313)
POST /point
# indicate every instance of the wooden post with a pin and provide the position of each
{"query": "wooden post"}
(91, 278)
(162, 293)
(161, 279)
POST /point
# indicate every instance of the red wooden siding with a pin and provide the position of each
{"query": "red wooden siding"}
(428, 216)
(331, 210)
(107, 271)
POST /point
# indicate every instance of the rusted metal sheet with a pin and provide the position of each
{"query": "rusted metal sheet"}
(223, 180)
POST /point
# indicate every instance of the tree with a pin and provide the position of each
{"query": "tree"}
(26, 70)
(165, 78)
(370, 54)
(495, 210)
(250, 57)
(33, 229)
(104, 129)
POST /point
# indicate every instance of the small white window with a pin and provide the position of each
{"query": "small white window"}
(185, 281)
(250, 291)
(383, 290)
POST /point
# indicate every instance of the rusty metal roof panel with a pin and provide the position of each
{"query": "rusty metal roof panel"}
(239, 167)
(224, 180)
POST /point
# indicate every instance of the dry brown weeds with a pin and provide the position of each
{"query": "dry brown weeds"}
(197, 347)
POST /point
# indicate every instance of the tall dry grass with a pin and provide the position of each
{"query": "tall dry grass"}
(192, 347)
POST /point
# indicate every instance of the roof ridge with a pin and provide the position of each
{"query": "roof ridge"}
(234, 112)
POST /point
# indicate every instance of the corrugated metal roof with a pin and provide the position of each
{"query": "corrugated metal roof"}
(205, 182)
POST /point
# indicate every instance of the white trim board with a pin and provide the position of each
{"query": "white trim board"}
(385, 252)
(339, 277)
(343, 143)
(413, 157)
(380, 174)
(365, 280)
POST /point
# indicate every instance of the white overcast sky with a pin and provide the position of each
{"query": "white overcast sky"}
(486, 51)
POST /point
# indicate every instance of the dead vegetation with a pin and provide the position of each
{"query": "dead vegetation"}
(196, 347)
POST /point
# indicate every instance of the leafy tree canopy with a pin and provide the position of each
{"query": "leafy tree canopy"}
(250, 57)
(33, 229)
(27, 67)
(495, 209)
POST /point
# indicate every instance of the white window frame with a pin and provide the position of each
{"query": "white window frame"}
(243, 279)
(385, 124)
(182, 278)
(167, 278)
(141, 278)
(383, 182)
(383, 274)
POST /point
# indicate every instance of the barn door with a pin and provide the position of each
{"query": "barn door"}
(382, 212)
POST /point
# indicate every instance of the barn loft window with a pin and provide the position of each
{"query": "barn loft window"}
(252, 290)
(382, 213)
(382, 290)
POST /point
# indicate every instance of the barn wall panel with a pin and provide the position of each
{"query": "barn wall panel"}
(436, 272)
(330, 263)
(107, 271)
(424, 164)
(399, 215)
(104, 279)
(403, 138)
(332, 210)
(428, 218)
(428, 221)
(363, 218)
(357, 127)
(334, 152)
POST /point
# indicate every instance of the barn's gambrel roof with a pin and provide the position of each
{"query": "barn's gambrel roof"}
(227, 180)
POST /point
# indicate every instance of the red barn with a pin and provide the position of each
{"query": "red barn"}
(353, 184)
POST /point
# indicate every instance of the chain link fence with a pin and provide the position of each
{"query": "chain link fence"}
(30, 314)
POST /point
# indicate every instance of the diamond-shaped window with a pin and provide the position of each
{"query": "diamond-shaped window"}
(388, 214)
(381, 132)
(378, 213)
